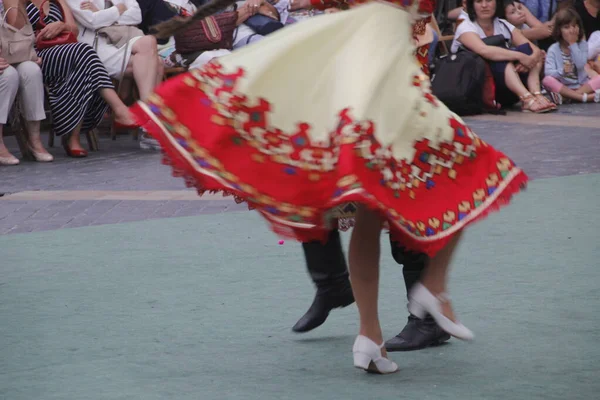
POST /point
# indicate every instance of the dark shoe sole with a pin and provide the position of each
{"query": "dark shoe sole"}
(438, 342)
(373, 370)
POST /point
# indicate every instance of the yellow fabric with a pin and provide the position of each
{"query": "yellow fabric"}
(362, 58)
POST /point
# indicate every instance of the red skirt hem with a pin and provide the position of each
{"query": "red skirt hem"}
(206, 182)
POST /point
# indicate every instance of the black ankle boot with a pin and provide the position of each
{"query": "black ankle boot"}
(327, 267)
(417, 334)
(324, 302)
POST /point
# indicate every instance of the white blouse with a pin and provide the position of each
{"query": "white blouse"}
(89, 22)
(501, 27)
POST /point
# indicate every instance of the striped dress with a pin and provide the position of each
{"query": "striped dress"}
(73, 75)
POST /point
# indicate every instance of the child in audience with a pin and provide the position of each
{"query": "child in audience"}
(567, 71)
(459, 13)
(518, 15)
(594, 51)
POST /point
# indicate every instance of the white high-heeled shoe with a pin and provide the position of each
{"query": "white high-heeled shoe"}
(41, 157)
(422, 301)
(9, 160)
(367, 355)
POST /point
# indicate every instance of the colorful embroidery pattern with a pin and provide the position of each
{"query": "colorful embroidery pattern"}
(246, 122)
(422, 55)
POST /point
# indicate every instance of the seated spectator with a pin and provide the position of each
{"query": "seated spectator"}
(25, 79)
(79, 88)
(567, 72)
(299, 10)
(244, 35)
(157, 11)
(589, 11)
(276, 9)
(137, 54)
(594, 51)
(542, 10)
(459, 14)
(518, 15)
(594, 46)
(516, 70)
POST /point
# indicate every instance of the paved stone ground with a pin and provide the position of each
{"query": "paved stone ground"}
(201, 308)
(558, 144)
(160, 310)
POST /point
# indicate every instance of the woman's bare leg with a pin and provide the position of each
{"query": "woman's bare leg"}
(435, 276)
(533, 79)
(35, 139)
(513, 81)
(122, 114)
(364, 271)
(3, 150)
(144, 54)
(74, 139)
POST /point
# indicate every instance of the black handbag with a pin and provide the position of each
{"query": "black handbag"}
(458, 82)
(263, 25)
(496, 41)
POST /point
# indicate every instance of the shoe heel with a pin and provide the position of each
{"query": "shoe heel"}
(362, 360)
(417, 309)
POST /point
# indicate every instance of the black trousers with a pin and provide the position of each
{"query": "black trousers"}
(327, 266)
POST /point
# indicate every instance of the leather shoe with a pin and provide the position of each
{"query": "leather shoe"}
(324, 302)
(417, 334)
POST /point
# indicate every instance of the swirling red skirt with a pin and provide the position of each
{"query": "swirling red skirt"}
(299, 185)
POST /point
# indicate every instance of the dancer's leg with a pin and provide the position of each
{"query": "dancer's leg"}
(364, 271)
(435, 276)
(326, 265)
(429, 296)
(418, 333)
(364, 274)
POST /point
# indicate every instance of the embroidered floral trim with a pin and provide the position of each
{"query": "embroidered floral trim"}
(245, 122)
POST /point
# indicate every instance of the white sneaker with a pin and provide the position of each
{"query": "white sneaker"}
(367, 356)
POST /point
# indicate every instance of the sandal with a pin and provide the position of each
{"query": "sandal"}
(530, 104)
(556, 98)
(542, 99)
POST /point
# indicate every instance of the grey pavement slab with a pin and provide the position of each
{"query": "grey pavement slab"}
(40, 215)
(201, 308)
